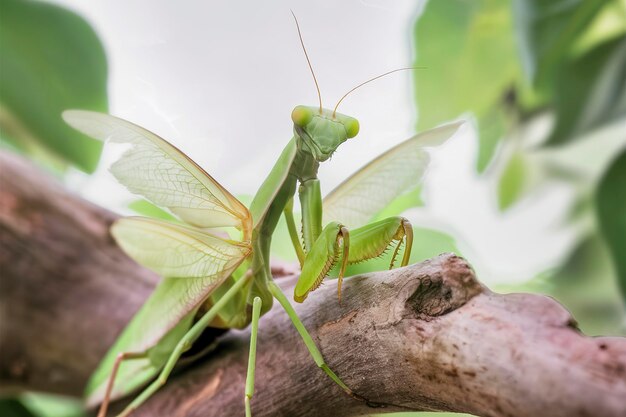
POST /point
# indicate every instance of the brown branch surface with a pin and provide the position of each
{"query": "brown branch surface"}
(425, 337)
(66, 290)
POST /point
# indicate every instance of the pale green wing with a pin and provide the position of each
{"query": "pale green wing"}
(157, 170)
(194, 264)
(397, 171)
(173, 250)
(148, 330)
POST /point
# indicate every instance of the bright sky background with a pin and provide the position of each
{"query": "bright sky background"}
(219, 80)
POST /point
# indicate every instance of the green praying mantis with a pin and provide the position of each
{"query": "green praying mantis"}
(212, 279)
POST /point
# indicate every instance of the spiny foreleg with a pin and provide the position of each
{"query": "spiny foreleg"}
(373, 240)
(332, 245)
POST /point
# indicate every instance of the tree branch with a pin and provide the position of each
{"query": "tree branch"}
(66, 289)
(425, 337)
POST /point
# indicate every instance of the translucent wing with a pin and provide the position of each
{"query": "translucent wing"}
(173, 250)
(157, 170)
(194, 264)
(355, 201)
(148, 330)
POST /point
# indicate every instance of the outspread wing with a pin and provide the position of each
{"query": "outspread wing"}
(148, 331)
(176, 251)
(194, 264)
(399, 170)
(160, 172)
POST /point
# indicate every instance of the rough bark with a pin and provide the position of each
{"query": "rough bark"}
(59, 265)
(425, 337)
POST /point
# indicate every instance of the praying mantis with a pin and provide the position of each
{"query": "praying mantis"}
(211, 278)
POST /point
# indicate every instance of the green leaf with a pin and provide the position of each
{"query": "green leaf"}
(586, 285)
(401, 204)
(608, 23)
(281, 248)
(50, 60)
(511, 183)
(46, 405)
(468, 51)
(547, 31)
(611, 212)
(492, 126)
(146, 208)
(12, 407)
(590, 91)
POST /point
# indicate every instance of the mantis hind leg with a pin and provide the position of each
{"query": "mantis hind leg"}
(102, 411)
(256, 313)
(306, 337)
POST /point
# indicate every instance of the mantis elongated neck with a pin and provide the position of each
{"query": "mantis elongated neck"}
(304, 166)
(295, 164)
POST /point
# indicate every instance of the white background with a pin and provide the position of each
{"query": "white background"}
(219, 80)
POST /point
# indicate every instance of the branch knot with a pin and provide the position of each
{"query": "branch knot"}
(447, 288)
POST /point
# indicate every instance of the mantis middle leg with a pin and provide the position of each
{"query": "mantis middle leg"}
(256, 313)
(102, 411)
(306, 337)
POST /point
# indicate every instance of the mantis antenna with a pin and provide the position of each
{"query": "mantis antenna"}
(319, 94)
(370, 80)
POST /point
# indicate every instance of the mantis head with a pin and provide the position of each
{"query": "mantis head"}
(321, 131)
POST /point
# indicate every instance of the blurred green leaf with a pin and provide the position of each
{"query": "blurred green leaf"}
(50, 60)
(146, 208)
(609, 23)
(468, 50)
(590, 91)
(281, 248)
(401, 204)
(46, 405)
(611, 212)
(492, 126)
(547, 31)
(511, 183)
(429, 243)
(586, 284)
(12, 407)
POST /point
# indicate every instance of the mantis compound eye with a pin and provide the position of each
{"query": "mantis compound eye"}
(301, 115)
(352, 127)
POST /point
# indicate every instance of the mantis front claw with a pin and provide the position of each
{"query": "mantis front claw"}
(332, 244)
(362, 244)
